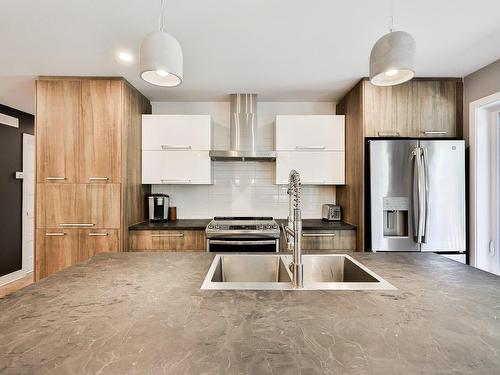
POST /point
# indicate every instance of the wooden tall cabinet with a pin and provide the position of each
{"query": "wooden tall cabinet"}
(420, 108)
(88, 168)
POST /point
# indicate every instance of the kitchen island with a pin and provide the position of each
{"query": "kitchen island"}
(144, 313)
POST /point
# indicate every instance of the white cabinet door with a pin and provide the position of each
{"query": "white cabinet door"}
(176, 167)
(315, 167)
(318, 132)
(176, 132)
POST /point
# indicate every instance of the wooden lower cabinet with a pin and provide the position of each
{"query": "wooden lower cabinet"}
(167, 240)
(62, 248)
(326, 240)
(95, 241)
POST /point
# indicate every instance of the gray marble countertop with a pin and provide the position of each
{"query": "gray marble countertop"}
(144, 313)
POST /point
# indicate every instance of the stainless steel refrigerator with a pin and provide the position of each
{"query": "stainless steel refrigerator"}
(417, 195)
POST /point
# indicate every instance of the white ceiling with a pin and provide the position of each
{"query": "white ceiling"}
(286, 50)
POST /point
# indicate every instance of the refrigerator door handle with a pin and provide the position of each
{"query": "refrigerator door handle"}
(426, 194)
(415, 193)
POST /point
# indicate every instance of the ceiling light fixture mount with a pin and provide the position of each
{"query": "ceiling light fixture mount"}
(392, 59)
(161, 57)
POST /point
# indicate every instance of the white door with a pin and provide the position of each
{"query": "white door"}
(485, 185)
(28, 201)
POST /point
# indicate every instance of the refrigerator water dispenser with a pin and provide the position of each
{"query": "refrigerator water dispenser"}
(395, 216)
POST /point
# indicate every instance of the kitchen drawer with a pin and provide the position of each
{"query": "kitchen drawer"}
(176, 167)
(57, 249)
(167, 240)
(326, 240)
(319, 132)
(176, 132)
(95, 241)
(315, 167)
(78, 205)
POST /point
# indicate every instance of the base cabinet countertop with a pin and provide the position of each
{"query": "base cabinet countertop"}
(144, 313)
(199, 224)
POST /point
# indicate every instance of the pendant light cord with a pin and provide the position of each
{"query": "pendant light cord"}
(391, 18)
(162, 15)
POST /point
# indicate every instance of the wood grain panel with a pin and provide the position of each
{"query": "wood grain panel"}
(134, 192)
(100, 131)
(57, 249)
(100, 204)
(436, 108)
(351, 195)
(57, 204)
(95, 241)
(167, 240)
(56, 131)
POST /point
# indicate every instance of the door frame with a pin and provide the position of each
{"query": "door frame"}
(475, 109)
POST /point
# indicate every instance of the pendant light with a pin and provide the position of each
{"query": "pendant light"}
(392, 60)
(161, 57)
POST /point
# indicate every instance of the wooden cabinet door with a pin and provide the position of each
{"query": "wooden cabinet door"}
(95, 241)
(437, 109)
(100, 131)
(58, 104)
(329, 240)
(56, 249)
(100, 205)
(167, 240)
(78, 205)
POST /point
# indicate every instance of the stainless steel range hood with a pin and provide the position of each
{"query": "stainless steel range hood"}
(243, 132)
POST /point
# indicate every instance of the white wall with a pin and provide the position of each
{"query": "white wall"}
(243, 188)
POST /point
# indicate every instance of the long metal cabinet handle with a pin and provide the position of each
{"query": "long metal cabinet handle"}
(57, 234)
(426, 194)
(55, 178)
(310, 147)
(168, 235)
(76, 225)
(431, 132)
(166, 181)
(318, 234)
(176, 147)
(98, 234)
(389, 134)
(98, 178)
(223, 242)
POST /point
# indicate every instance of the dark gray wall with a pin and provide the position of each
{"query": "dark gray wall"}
(477, 85)
(11, 190)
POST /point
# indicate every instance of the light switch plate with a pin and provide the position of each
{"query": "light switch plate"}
(19, 175)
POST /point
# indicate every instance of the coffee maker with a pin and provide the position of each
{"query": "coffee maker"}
(158, 207)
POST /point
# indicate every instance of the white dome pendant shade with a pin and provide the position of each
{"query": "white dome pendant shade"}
(161, 59)
(392, 60)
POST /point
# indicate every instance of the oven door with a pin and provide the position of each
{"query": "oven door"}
(242, 245)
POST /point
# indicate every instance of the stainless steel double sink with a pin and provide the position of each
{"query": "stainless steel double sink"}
(272, 272)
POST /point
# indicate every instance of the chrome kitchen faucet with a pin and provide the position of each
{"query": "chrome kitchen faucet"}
(294, 228)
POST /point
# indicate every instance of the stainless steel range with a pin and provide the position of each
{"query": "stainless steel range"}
(242, 234)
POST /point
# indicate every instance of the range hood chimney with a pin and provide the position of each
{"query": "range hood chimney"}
(243, 132)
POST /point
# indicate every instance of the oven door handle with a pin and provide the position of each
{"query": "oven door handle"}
(229, 242)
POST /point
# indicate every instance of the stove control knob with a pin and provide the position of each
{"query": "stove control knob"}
(210, 226)
(275, 226)
(268, 226)
(217, 226)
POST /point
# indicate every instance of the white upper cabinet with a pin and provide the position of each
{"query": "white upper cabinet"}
(176, 132)
(175, 149)
(314, 146)
(314, 132)
(315, 168)
(176, 167)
